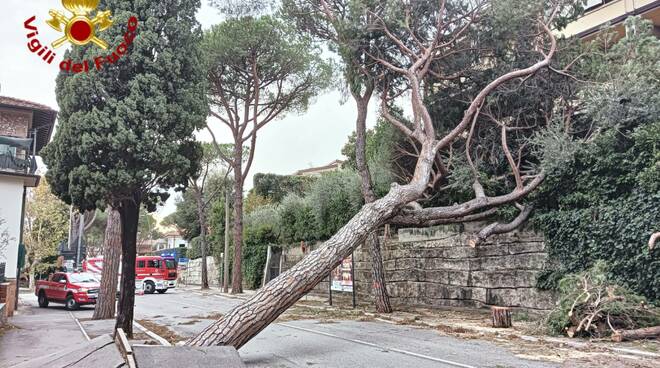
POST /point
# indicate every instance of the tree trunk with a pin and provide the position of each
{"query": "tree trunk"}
(202, 236)
(638, 334)
(225, 255)
(129, 211)
(105, 305)
(236, 274)
(501, 316)
(246, 320)
(381, 298)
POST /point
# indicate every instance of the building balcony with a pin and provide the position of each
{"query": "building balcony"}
(601, 13)
(17, 156)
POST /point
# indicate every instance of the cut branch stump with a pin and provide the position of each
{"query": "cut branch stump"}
(501, 317)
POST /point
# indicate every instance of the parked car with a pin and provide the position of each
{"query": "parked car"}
(70, 289)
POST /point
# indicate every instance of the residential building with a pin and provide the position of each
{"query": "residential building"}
(25, 128)
(601, 13)
(335, 165)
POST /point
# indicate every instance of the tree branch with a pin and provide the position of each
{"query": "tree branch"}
(497, 228)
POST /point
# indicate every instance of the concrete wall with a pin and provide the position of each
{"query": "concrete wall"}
(193, 274)
(435, 267)
(11, 192)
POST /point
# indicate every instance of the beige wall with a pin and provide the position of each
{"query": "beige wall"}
(11, 205)
(606, 13)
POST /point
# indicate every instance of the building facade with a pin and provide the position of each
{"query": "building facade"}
(25, 128)
(603, 13)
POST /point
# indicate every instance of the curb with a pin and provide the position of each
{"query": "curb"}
(80, 326)
(148, 332)
(152, 334)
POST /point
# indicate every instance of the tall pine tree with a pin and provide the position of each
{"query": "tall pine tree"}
(125, 133)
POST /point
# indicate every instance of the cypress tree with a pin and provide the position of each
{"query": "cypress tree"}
(126, 131)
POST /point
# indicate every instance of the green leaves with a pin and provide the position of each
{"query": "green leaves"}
(127, 131)
(288, 65)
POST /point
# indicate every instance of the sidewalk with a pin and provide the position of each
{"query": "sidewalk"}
(37, 332)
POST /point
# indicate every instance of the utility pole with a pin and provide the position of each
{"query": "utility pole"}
(225, 255)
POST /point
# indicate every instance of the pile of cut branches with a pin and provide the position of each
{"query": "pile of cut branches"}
(591, 305)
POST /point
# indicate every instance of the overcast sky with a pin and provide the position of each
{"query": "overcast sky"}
(295, 142)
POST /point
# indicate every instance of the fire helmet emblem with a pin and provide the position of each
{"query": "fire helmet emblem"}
(80, 29)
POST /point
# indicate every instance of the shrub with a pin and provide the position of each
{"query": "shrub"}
(260, 232)
(335, 199)
(296, 220)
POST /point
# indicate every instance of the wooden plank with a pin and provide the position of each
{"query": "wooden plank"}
(122, 342)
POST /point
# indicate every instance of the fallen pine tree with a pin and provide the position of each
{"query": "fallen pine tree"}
(592, 305)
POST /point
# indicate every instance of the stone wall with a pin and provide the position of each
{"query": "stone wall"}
(14, 123)
(192, 275)
(436, 267)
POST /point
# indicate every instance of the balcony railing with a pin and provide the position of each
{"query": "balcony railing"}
(17, 156)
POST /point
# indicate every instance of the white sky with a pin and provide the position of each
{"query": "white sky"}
(295, 142)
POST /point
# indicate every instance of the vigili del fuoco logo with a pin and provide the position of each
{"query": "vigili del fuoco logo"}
(84, 25)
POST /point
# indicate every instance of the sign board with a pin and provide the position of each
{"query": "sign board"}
(183, 263)
(342, 277)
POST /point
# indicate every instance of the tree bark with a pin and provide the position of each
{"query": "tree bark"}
(202, 236)
(105, 305)
(225, 255)
(246, 320)
(501, 316)
(381, 298)
(129, 211)
(236, 275)
(638, 334)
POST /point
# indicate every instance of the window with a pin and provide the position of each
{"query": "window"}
(140, 264)
(593, 3)
(58, 277)
(7, 150)
(170, 264)
(82, 277)
(153, 263)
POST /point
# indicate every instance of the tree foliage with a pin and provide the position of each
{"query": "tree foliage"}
(129, 128)
(46, 225)
(296, 219)
(125, 133)
(602, 203)
(335, 198)
(276, 187)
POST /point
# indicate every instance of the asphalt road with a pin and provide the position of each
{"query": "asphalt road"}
(312, 343)
(307, 343)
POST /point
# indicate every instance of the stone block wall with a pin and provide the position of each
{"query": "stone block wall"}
(436, 267)
(193, 274)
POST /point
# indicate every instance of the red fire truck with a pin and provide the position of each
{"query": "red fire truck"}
(152, 273)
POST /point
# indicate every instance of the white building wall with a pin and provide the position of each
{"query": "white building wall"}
(11, 204)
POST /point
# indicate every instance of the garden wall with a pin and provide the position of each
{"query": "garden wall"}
(436, 267)
(192, 275)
